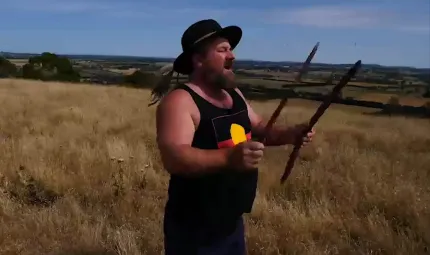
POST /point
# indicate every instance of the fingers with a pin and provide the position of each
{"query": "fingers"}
(255, 146)
(253, 162)
(308, 138)
(256, 154)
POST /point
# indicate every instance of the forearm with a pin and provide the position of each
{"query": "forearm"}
(277, 135)
(280, 136)
(186, 160)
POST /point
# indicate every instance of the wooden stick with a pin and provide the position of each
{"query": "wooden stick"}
(284, 101)
(320, 111)
(272, 120)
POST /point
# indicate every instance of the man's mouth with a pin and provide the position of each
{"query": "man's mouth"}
(228, 66)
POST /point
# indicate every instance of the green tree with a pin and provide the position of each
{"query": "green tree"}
(30, 72)
(330, 79)
(49, 66)
(393, 105)
(402, 84)
(140, 79)
(427, 92)
(7, 68)
(394, 100)
(427, 107)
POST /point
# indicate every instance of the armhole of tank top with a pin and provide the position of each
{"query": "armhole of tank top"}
(196, 98)
(235, 95)
(193, 94)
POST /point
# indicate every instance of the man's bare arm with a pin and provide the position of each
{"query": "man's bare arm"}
(277, 135)
(175, 132)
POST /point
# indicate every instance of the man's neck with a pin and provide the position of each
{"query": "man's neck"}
(206, 87)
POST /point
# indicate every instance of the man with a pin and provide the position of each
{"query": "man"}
(204, 132)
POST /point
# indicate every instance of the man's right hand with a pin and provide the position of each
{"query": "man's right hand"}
(246, 156)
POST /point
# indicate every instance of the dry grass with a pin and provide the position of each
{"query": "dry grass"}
(288, 78)
(403, 99)
(19, 62)
(262, 82)
(366, 84)
(123, 72)
(80, 174)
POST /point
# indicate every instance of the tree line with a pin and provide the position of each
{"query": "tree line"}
(46, 67)
(52, 67)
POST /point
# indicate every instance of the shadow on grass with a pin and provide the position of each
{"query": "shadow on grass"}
(410, 114)
(83, 251)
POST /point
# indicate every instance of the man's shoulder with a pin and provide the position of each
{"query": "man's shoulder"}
(175, 100)
(176, 97)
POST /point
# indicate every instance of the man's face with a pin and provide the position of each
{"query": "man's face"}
(215, 66)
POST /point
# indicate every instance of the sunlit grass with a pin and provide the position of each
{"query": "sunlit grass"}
(80, 174)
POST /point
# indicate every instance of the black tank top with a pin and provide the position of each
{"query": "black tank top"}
(215, 200)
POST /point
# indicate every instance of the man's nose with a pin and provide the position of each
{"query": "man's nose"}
(230, 56)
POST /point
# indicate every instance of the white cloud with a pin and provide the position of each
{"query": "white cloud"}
(59, 6)
(416, 29)
(349, 17)
(321, 16)
(326, 17)
(117, 9)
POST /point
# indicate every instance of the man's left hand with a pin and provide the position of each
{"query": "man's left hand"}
(299, 129)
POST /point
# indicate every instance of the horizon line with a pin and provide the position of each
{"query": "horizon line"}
(172, 58)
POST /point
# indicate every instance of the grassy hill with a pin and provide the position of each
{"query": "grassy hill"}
(80, 174)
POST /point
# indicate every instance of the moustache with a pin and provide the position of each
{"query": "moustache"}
(228, 65)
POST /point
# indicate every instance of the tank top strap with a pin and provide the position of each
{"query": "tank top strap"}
(239, 103)
(198, 100)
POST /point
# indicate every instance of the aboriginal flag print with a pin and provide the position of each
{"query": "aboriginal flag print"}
(232, 129)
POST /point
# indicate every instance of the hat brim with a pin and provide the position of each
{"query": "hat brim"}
(183, 64)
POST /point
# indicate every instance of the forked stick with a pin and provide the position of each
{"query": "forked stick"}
(283, 102)
(320, 111)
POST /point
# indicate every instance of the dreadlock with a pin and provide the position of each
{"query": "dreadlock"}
(164, 85)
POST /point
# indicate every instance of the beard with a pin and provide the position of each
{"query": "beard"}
(224, 79)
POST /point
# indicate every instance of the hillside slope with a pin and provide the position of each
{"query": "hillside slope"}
(80, 174)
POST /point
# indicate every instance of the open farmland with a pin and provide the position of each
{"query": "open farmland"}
(403, 100)
(19, 62)
(80, 174)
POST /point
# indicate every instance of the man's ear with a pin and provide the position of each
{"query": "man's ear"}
(197, 60)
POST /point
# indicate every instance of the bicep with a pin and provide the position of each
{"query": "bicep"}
(175, 126)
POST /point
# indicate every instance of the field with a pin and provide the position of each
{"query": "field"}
(19, 62)
(80, 174)
(403, 100)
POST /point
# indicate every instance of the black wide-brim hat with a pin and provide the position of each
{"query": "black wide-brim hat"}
(199, 33)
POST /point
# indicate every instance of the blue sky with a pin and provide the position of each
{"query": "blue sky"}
(387, 32)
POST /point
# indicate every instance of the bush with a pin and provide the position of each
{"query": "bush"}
(140, 79)
(427, 93)
(30, 72)
(393, 105)
(394, 101)
(50, 67)
(7, 68)
(427, 107)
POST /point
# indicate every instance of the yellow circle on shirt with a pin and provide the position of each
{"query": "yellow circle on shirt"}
(237, 133)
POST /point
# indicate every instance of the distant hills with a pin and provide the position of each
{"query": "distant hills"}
(244, 62)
